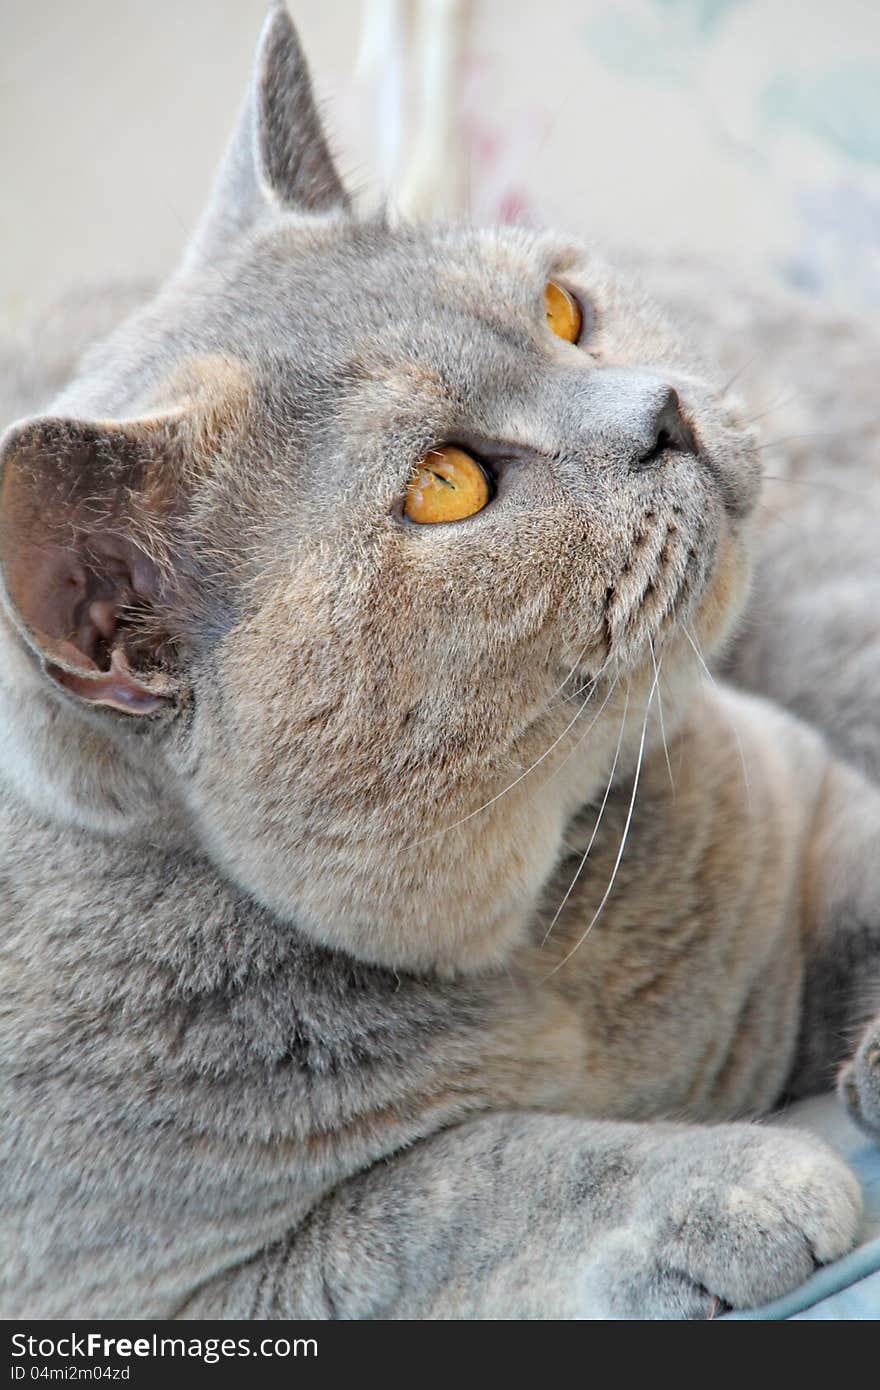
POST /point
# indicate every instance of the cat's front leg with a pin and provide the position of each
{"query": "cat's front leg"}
(534, 1216)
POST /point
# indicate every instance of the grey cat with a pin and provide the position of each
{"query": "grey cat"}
(390, 929)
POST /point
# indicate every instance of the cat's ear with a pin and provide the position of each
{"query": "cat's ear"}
(278, 157)
(79, 502)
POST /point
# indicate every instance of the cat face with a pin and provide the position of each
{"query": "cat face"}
(341, 686)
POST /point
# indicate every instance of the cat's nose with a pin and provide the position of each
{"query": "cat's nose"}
(665, 429)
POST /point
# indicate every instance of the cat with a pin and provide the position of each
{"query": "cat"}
(399, 921)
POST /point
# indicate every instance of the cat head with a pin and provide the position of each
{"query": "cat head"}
(355, 524)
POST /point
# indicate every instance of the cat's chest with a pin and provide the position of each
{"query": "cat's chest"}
(671, 929)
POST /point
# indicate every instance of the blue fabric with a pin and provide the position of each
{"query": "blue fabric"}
(849, 1288)
(859, 1301)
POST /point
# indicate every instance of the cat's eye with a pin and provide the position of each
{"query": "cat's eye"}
(447, 485)
(563, 312)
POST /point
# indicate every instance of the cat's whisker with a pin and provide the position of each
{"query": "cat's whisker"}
(590, 687)
(577, 662)
(776, 519)
(749, 362)
(563, 683)
(660, 712)
(571, 753)
(733, 729)
(778, 404)
(595, 831)
(445, 829)
(623, 839)
(593, 680)
(815, 482)
(810, 434)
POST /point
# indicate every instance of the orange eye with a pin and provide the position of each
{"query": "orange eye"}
(448, 485)
(563, 312)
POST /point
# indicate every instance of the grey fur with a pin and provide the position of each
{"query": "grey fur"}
(291, 1023)
(277, 156)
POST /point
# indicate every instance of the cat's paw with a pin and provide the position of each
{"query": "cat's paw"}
(742, 1218)
(859, 1082)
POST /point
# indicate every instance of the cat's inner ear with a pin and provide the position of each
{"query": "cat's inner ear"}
(78, 582)
(278, 157)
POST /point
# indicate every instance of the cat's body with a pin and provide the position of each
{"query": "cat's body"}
(255, 945)
(211, 1077)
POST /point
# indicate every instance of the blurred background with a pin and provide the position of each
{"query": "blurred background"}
(747, 130)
